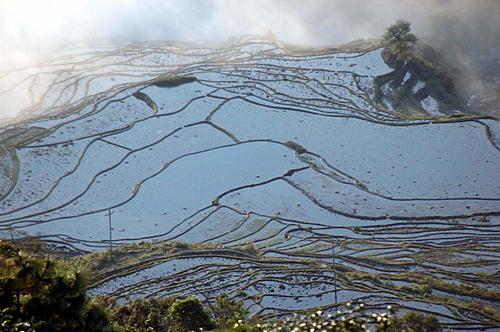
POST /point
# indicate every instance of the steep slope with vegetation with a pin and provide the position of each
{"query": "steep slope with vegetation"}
(420, 84)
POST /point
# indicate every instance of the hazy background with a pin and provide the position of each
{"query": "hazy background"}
(32, 29)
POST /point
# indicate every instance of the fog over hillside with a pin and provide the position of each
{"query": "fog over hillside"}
(31, 30)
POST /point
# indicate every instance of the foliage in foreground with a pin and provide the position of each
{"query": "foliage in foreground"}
(143, 314)
(176, 313)
(39, 294)
(352, 320)
(44, 295)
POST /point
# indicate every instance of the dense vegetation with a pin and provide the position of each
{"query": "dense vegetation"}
(45, 295)
(399, 39)
(42, 294)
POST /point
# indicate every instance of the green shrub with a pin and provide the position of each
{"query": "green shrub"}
(188, 315)
(46, 295)
(414, 322)
(144, 315)
(399, 39)
(226, 311)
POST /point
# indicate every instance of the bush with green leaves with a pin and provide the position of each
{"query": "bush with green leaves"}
(45, 295)
(414, 322)
(189, 315)
(143, 315)
(399, 39)
(176, 313)
(226, 311)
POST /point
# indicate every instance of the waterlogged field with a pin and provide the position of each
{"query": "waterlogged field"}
(259, 170)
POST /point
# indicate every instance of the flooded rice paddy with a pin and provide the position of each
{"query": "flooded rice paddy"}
(278, 177)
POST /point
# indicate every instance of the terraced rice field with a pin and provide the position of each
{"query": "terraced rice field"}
(259, 170)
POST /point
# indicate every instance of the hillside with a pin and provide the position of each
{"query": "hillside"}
(289, 177)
